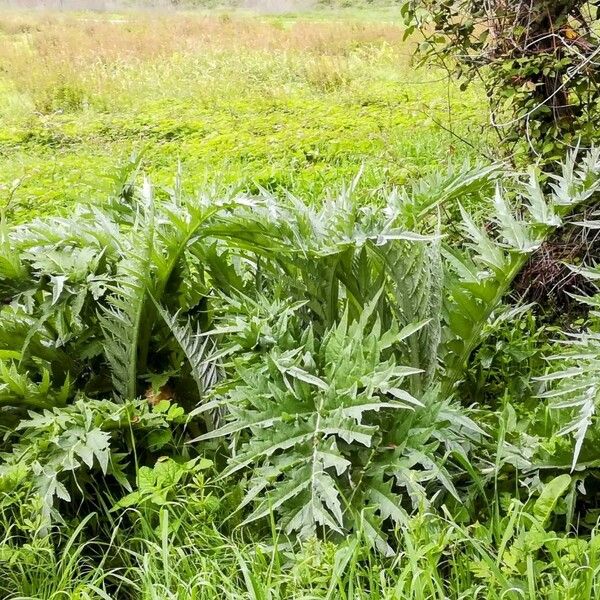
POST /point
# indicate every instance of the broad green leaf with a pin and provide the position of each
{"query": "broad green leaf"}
(551, 493)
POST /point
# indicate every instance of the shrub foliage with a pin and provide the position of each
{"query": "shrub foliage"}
(317, 350)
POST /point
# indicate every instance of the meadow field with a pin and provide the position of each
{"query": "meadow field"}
(284, 102)
(280, 319)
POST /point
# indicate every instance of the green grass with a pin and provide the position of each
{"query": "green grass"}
(176, 555)
(287, 117)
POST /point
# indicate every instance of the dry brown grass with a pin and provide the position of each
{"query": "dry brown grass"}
(142, 36)
(60, 58)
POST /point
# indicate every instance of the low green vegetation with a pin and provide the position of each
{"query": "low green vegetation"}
(266, 328)
(274, 103)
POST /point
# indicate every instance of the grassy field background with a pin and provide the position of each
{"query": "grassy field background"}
(297, 102)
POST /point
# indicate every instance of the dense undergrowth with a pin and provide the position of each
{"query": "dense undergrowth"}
(271, 390)
(214, 396)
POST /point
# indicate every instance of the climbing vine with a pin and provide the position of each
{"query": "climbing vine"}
(538, 60)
